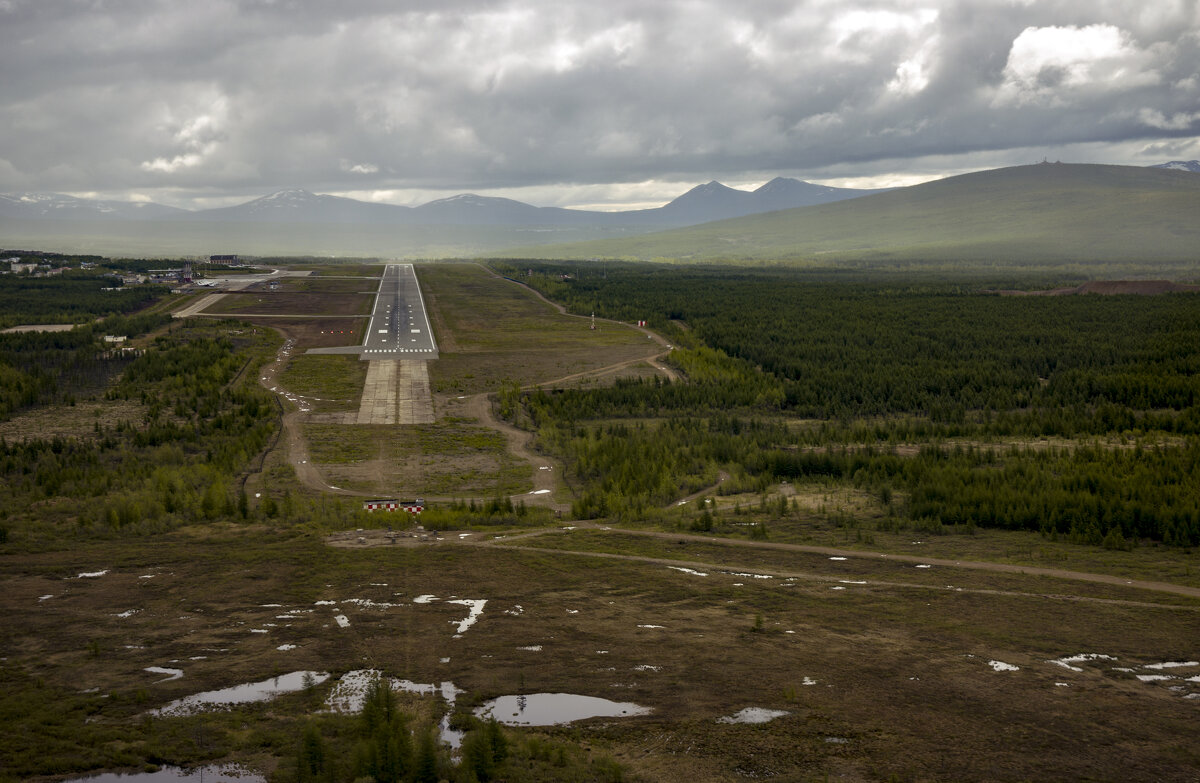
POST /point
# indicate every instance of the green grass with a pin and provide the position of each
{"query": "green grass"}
(453, 457)
(491, 330)
(331, 382)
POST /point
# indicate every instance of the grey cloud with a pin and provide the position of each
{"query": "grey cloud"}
(245, 97)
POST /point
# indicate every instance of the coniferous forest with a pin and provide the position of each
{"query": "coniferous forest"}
(1073, 416)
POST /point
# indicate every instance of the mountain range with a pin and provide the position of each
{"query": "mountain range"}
(712, 201)
(1048, 214)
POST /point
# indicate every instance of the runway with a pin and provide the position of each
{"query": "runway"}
(399, 327)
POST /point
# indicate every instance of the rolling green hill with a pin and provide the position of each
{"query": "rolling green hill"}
(1025, 215)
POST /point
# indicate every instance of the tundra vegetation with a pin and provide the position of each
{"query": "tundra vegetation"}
(943, 438)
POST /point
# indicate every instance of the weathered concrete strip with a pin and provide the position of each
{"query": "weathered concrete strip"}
(396, 391)
(378, 404)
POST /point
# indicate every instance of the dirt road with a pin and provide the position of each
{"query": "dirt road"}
(1005, 568)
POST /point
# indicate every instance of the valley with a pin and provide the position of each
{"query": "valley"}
(859, 548)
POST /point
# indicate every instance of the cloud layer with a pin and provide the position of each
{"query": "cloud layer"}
(196, 101)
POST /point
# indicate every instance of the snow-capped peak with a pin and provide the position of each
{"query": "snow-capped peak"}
(293, 194)
(1181, 165)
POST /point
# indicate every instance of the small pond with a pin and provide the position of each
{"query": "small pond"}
(241, 694)
(553, 709)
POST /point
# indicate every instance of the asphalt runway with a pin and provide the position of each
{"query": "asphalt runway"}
(399, 327)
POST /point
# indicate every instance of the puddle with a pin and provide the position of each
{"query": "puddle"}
(554, 709)
(531, 648)
(91, 574)
(224, 773)
(1001, 666)
(286, 647)
(923, 565)
(750, 576)
(651, 626)
(240, 694)
(691, 571)
(540, 492)
(753, 715)
(45, 597)
(837, 558)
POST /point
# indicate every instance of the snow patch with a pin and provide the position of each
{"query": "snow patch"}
(1171, 665)
(476, 608)
(753, 715)
(1081, 658)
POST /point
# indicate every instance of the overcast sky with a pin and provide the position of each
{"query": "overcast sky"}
(556, 102)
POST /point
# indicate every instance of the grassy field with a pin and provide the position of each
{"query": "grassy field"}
(285, 303)
(326, 285)
(328, 383)
(490, 330)
(454, 457)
